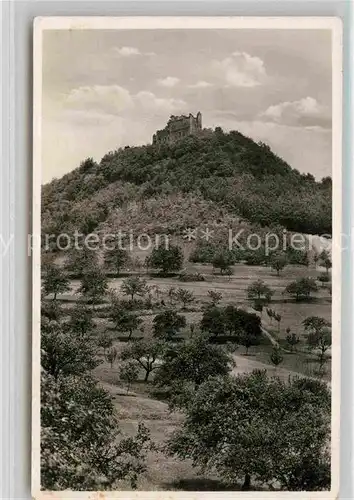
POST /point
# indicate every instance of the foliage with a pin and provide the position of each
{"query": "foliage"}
(80, 259)
(128, 372)
(94, 284)
(185, 296)
(323, 279)
(325, 260)
(51, 310)
(258, 305)
(215, 297)
(239, 320)
(244, 326)
(81, 321)
(203, 252)
(318, 336)
(111, 355)
(166, 259)
(145, 353)
(105, 341)
(277, 318)
(116, 258)
(226, 169)
(276, 356)
(63, 352)
(81, 444)
(299, 257)
(292, 339)
(171, 294)
(213, 321)
(223, 261)
(191, 277)
(270, 313)
(259, 428)
(278, 261)
(256, 257)
(124, 321)
(134, 286)
(82, 447)
(248, 339)
(260, 292)
(302, 288)
(167, 324)
(54, 280)
(194, 360)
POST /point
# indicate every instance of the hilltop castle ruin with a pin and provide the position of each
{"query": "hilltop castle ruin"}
(178, 127)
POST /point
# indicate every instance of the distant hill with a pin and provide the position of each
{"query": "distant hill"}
(219, 177)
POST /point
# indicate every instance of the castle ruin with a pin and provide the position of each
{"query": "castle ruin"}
(177, 128)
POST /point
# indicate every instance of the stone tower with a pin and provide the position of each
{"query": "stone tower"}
(177, 128)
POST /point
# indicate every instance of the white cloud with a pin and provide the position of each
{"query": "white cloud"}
(99, 101)
(241, 70)
(131, 52)
(306, 112)
(169, 81)
(127, 51)
(201, 84)
(109, 99)
(148, 101)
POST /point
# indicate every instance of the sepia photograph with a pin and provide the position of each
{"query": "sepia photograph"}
(186, 268)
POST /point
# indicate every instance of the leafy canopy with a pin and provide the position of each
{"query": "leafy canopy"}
(255, 427)
(302, 288)
(166, 259)
(167, 324)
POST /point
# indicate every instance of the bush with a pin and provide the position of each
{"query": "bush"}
(203, 253)
(302, 288)
(191, 277)
(166, 259)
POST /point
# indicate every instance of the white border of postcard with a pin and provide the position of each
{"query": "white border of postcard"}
(136, 23)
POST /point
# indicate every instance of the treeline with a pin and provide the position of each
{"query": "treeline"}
(222, 257)
(227, 168)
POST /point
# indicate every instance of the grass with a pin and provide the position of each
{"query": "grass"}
(138, 405)
(293, 314)
(163, 472)
(169, 473)
(234, 290)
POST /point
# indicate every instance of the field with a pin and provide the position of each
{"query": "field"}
(140, 404)
(233, 290)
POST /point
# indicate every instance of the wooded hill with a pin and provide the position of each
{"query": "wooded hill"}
(217, 176)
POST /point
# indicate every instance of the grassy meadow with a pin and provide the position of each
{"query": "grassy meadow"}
(141, 404)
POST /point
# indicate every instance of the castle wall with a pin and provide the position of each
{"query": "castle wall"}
(177, 128)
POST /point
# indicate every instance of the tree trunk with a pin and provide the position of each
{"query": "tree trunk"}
(55, 296)
(247, 483)
(147, 375)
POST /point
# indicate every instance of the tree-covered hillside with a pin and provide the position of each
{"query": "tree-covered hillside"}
(224, 173)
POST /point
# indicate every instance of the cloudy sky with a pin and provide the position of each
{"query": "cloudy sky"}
(103, 89)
